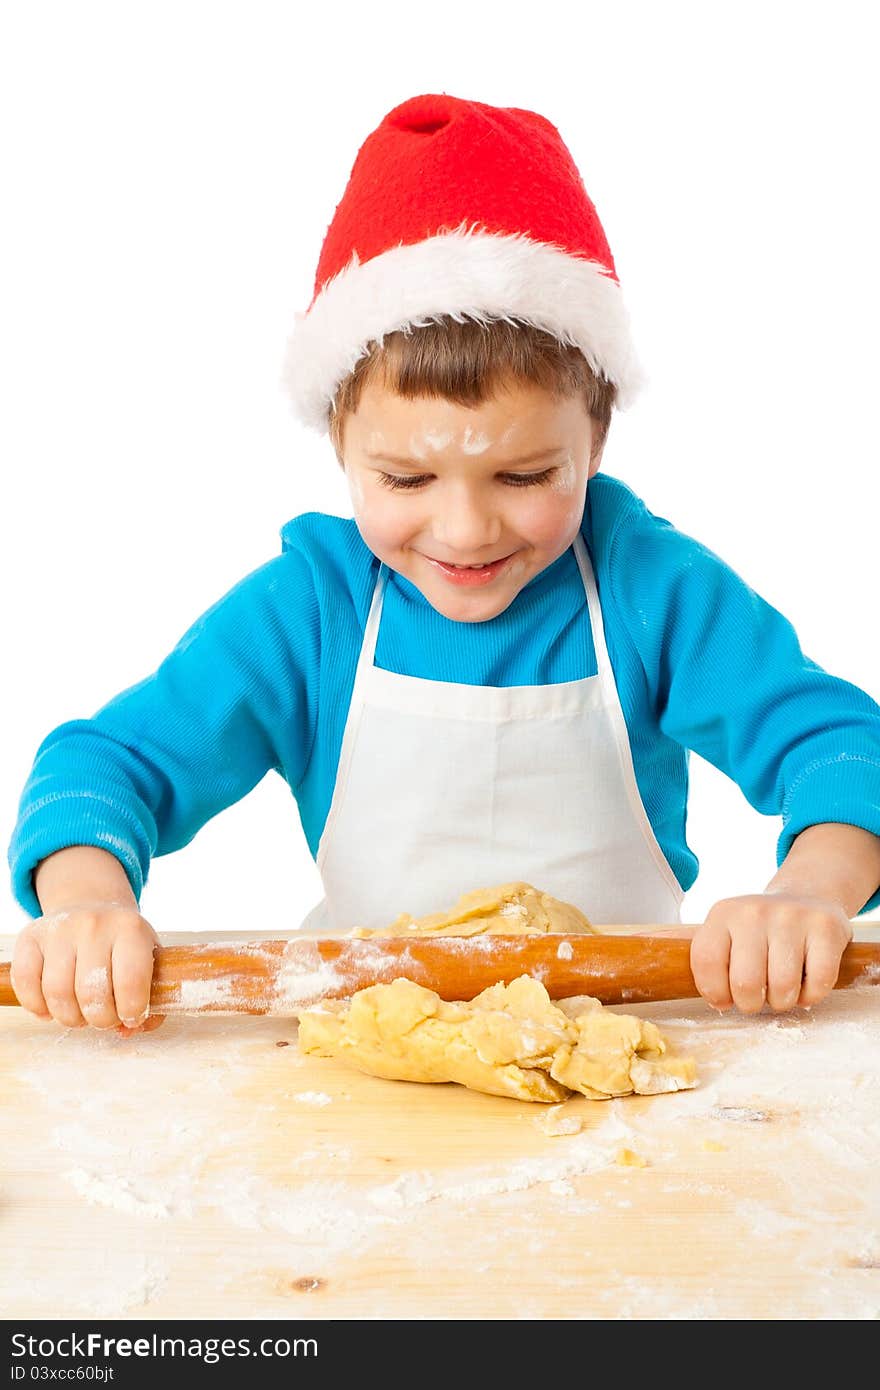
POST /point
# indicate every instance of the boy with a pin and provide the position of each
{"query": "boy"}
(497, 669)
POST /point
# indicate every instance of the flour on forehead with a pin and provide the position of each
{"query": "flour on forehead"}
(431, 439)
(474, 442)
(469, 442)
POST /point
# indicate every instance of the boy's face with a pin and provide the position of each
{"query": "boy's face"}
(439, 489)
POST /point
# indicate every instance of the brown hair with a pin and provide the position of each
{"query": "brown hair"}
(469, 362)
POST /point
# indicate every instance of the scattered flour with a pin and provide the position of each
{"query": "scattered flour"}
(657, 1299)
(83, 1140)
(115, 1191)
(303, 978)
(97, 979)
(106, 1291)
(583, 1155)
(557, 1120)
(741, 1114)
(138, 1128)
(764, 1220)
(199, 994)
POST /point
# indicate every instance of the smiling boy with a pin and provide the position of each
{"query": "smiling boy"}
(497, 669)
(469, 513)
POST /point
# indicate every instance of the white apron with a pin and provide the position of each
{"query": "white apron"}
(443, 788)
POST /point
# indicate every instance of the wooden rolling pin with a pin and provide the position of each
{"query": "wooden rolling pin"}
(283, 977)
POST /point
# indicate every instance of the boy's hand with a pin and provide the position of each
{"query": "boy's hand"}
(90, 964)
(775, 947)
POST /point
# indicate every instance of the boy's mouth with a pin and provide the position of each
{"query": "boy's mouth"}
(470, 576)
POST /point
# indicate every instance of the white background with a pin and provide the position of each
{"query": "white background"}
(168, 173)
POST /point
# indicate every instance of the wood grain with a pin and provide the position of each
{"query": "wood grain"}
(210, 1170)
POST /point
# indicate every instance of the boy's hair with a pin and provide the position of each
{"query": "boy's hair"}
(468, 362)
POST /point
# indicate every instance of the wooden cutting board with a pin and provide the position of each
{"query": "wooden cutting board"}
(209, 1170)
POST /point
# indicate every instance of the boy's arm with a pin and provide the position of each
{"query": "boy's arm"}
(728, 679)
(232, 700)
(831, 863)
(81, 874)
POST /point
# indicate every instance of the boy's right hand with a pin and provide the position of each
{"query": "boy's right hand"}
(88, 964)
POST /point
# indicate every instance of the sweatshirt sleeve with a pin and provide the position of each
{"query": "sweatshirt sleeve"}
(728, 679)
(234, 699)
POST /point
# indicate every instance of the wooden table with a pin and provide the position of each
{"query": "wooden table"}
(208, 1170)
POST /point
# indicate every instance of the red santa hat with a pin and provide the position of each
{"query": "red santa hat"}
(462, 209)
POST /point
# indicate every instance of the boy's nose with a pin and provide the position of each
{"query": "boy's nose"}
(465, 526)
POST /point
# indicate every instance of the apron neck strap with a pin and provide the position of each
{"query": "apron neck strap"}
(371, 631)
(585, 565)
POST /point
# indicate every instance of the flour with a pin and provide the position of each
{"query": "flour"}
(143, 1135)
(474, 441)
(373, 959)
(565, 479)
(582, 1155)
(303, 978)
(96, 980)
(556, 1120)
(764, 1220)
(106, 1292)
(115, 1191)
(346, 1217)
(740, 1114)
(657, 1299)
(197, 995)
(331, 1215)
(325, 1155)
(220, 991)
(313, 1098)
(83, 1140)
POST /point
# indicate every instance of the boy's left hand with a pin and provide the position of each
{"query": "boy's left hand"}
(777, 948)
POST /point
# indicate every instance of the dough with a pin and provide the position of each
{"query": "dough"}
(512, 1040)
(513, 909)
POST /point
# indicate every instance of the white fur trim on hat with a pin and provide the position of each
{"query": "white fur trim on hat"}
(462, 274)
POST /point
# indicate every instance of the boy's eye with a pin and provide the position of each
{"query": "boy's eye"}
(528, 479)
(406, 480)
(419, 480)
